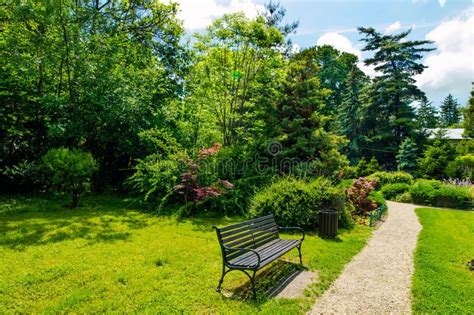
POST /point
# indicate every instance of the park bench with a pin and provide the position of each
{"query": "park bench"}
(251, 245)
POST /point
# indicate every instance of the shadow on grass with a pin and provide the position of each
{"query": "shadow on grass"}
(30, 221)
(268, 282)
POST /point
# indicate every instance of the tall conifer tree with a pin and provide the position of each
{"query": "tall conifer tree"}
(397, 60)
(450, 112)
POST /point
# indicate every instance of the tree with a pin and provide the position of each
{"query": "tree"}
(435, 160)
(334, 69)
(426, 115)
(348, 116)
(407, 156)
(390, 116)
(237, 69)
(302, 134)
(469, 116)
(80, 73)
(69, 171)
(274, 14)
(450, 113)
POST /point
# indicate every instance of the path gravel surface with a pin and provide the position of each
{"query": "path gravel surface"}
(378, 279)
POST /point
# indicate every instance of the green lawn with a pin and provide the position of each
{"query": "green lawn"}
(111, 256)
(442, 282)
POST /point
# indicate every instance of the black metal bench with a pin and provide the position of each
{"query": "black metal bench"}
(251, 245)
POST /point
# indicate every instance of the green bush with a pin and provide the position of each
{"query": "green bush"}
(450, 196)
(462, 167)
(69, 171)
(435, 193)
(391, 191)
(384, 178)
(297, 203)
(377, 197)
(155, 178)
(405, 197)
(423, 191)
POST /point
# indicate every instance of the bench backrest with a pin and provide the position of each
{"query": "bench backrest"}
(249, 234)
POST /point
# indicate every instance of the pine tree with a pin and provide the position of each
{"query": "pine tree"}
(450, 112)
(396, 60)
(348, 117)
(427, 115)
(407, 156)
(469, 116)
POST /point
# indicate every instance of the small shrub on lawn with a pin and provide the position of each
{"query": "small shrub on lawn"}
(296, 202)
(69, 171)
(384, 178)
(391, 191)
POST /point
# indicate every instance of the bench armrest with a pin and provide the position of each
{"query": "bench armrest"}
(294, 229)
(246, 250)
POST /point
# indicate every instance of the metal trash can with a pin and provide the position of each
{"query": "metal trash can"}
(328, 220)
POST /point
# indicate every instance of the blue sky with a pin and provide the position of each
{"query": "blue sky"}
(450, 23)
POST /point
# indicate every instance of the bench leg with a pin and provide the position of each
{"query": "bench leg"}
(299, 251)
(224, 272)
(253, 285)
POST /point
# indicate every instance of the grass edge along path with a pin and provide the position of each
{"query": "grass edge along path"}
(442, 282)
(111, 256)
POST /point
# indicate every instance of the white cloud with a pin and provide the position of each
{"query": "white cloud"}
(342, 43)
(442, 2)
(393, 27)
(451, 66)
(198, 14)
(339, 42)
(295, 48)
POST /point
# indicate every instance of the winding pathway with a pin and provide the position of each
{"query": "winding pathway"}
(378, 279)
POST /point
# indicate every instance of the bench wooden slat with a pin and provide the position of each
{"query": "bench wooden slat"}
(267, 253)
(248, 230)
(234, 226)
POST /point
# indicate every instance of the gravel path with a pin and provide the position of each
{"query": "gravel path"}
(378, 279)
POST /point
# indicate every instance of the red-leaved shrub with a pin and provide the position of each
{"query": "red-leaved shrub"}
(358, 195)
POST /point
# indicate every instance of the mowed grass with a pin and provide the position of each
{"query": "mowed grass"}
(112, 256)
(442, 282)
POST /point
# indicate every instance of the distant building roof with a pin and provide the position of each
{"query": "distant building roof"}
(451, 134)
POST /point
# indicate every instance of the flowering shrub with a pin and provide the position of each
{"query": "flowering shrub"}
(359, 195)
(192, 185)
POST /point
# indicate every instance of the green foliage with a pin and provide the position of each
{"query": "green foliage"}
(348, 115)
(155, 177)
(468, 113)
(435, 159)
(427, 115)
(378, 198)
(462, 167)
(235, 75)
(384, 178)
(442, 282)
(306, 145)
(405, 197)
(388, 116)
(69, 171)
(435, 193)
(88, 74)
(363, 168)
(392, 191)
(296, 202)
(450, 114)
(407, 156)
